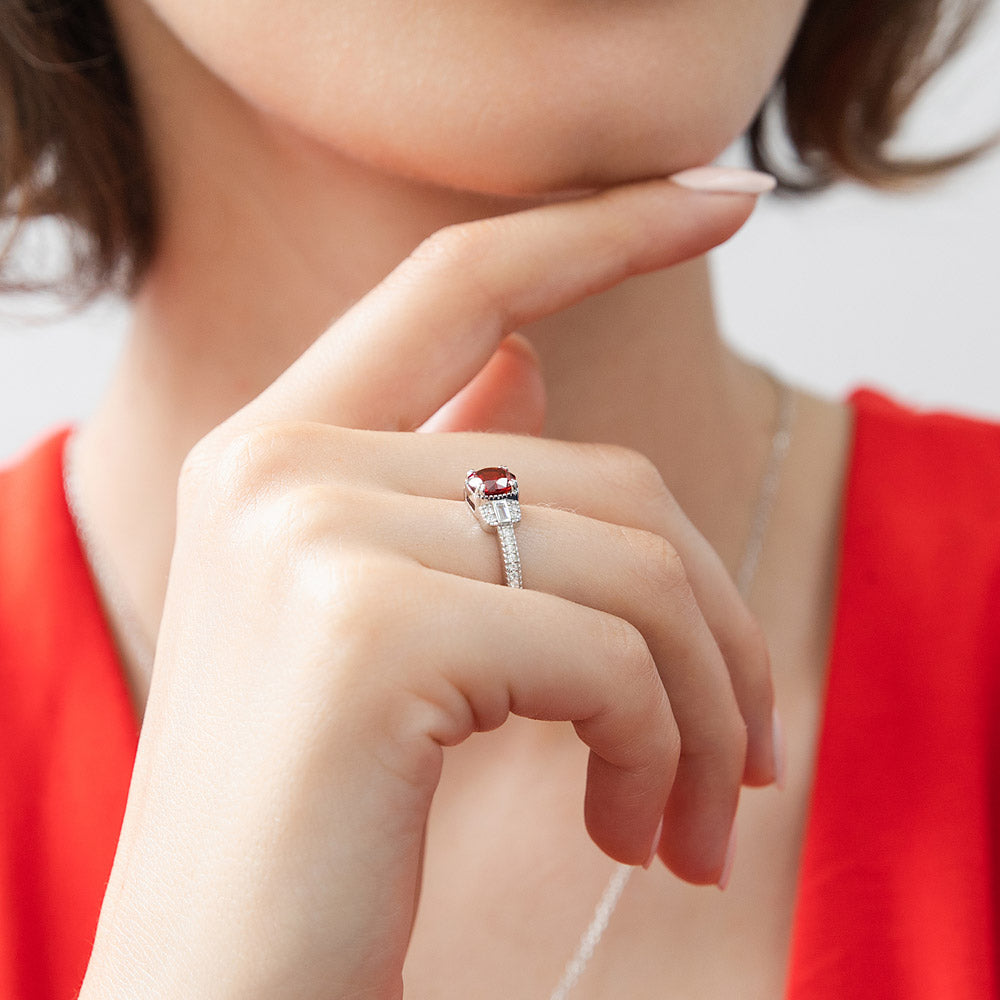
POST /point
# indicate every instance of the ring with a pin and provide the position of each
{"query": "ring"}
(492, 495)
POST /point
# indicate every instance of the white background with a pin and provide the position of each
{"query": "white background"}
(898, 291)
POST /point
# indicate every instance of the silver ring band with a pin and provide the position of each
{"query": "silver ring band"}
(511, 556)
(492, 495)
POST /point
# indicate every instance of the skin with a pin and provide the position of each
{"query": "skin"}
(309, 700)
(539, 97)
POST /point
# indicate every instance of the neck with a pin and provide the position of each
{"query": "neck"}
(266, 237)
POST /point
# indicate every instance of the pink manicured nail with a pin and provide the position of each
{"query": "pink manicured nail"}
(727, 864)
(726, 180)
(778, 735)
(657, 837)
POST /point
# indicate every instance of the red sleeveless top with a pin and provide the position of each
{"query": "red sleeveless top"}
(899, 890)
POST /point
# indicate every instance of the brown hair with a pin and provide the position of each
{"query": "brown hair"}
(71, 141)
(71, 146)
(854, 70)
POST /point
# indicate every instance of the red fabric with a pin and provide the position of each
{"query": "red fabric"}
(68, 736)
(899, 889)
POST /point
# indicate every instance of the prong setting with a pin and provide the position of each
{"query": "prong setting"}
(492, 495)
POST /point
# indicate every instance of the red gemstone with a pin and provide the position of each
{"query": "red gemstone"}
(494, 482)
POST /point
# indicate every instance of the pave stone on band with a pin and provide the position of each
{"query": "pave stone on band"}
(492, 495)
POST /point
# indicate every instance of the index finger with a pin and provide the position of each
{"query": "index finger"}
(418, 337)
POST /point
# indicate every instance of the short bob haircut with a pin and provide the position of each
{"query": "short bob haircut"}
(72, 145)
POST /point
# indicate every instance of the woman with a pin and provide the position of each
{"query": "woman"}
(506, 209)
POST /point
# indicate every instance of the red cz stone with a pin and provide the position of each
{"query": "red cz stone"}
(494, 482)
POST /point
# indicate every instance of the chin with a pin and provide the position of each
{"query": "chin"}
(522, 99)
(528, 159)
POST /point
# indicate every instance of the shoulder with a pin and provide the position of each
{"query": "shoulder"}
(34, 523)
(36, 541)
(67, 731)
(902, 831)
(953, 458)
(59, 673)
(932, 477)
(921, 537)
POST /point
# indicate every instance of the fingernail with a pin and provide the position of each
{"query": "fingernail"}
(727, 864)
(657, 837)
(778, 735)
(727, 180)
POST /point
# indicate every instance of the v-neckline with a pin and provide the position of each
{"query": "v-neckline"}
(843, 575)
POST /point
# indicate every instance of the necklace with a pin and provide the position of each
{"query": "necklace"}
(137, 649)
(781, 439)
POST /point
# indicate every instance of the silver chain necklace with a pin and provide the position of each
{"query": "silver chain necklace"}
(781, 439)
(137, 648)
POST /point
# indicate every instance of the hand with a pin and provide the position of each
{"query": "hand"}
(333, 620)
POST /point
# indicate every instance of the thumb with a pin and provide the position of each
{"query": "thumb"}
(508, 395)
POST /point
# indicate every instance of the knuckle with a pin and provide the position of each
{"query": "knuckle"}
(220, 472)
(625, 646)
(458, 246)
(251, 461)
(660, 575)
(344, 624)
(660, 564)
(237, 470)
(645, 480)
(253, 495)
(363, 603)
(305, 517)
(633, 472)
(461, 254)
(654, 740)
